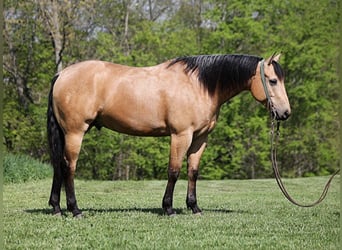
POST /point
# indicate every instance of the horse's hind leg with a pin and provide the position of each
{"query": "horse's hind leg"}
(194, 156)
(73, 143)
(56, 189)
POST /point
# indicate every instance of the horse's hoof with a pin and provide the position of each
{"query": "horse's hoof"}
(78, 216)
(198, 214)
(58, 214)
(169, 211)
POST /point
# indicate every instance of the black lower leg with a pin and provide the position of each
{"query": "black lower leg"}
(72, 203)
(168, 196)
(56, 192)
(70, 195)
(191, 203)
(191, 200)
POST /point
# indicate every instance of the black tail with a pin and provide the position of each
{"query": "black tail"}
(56, 141)
(55, 134)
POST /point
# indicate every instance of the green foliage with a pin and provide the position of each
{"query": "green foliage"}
(237, 214)
(109, 155)
(22, 168)
(151, 32)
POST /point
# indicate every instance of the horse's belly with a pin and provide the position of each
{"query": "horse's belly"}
(139, 124)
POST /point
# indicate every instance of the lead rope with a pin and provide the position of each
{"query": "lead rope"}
(274, 142)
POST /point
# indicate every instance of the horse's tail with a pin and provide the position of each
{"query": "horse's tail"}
(55, 134)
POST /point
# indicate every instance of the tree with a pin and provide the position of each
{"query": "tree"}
(38, 42)
(19, 30)
(311, 54)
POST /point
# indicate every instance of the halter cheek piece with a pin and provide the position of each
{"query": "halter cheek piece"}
(264, 84)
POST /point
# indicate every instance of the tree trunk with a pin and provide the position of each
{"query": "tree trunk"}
(51, 12)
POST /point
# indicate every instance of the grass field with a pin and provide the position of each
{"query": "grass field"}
(248, 214)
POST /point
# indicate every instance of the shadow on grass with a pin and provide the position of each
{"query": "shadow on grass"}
(225, 211)
(158, 211)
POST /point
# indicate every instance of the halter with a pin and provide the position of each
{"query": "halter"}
(274, 140)
(263, 80)
(267, 93)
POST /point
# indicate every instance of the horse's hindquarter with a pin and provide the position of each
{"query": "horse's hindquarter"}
(151, 101)
(75, 96)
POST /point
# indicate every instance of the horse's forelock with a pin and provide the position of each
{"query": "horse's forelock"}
(278, 70)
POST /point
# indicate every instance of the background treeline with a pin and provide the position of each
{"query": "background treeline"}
(43, 36)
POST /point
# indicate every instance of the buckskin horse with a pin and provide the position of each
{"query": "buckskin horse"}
(180, 98)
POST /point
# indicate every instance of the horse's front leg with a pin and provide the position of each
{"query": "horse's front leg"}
(179, 146)
(194, 156)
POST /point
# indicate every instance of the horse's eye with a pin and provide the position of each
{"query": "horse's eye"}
(273, 82)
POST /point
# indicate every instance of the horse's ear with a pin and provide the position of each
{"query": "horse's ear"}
(274, 57)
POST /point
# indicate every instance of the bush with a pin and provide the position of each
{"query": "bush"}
(22, 168)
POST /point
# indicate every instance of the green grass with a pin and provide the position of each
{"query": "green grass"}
(22, 168)
(237, 214)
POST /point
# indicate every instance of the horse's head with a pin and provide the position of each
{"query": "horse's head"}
(268, 87)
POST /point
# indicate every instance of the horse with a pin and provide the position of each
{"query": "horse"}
(180, 98)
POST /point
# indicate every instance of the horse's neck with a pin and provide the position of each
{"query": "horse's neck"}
(224, 96)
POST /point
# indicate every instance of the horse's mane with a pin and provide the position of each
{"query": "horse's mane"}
(225, 71)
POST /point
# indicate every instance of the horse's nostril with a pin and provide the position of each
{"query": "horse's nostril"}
(283, 116)
(286, 114)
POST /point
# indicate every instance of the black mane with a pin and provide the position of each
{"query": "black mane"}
(223, 71)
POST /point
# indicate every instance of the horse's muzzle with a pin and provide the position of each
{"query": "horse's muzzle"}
(282, 116)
